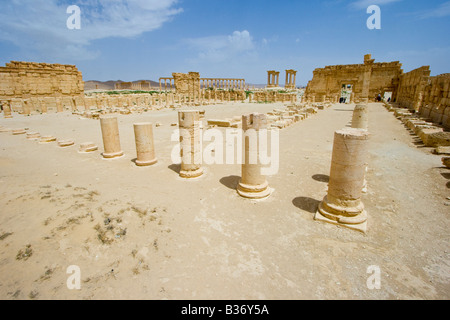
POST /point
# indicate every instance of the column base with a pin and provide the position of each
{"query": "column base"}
(88, 147)
(340, 216)
(47, 139)
(146, 163)
(191, 174)
(254, 192)
(112, 155)
(66, 143)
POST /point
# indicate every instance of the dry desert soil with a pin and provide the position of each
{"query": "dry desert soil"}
(145, 233)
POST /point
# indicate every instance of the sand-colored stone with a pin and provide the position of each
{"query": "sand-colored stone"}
(436, 139)
(446, 161)
(145, 148)
(253, 184)
(190, 144)
(110, 135)
(366, 80)
(342, 205)
(6, 105)
(65, 143)
(33, 135)
(87, 147)
(16, 132)
(31, 79)
(47, 139)
(360, 118)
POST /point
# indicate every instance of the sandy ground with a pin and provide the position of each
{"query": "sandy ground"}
(145, 233)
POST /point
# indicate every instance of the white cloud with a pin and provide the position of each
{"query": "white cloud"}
(40, 25)
(364, 4)
(442, 11)
(222, 48)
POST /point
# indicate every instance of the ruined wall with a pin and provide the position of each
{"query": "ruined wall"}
(436, 100)
(187, 84)
(411, 88)
(273, 96)
(367, 80)
(31, 79)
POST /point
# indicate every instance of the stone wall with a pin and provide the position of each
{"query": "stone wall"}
(38, 80)
(436, 100)
(367, 81)
(411, 88)
(187, 84)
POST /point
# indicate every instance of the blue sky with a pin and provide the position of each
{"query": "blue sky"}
(149, 39)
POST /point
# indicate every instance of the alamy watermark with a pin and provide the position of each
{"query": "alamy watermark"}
(374, 21)
(374, 280)
(74, 21)
(74, 280)
(228, 148)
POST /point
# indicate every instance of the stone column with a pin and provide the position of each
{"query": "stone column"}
(253, 184)
(110, 134)
(360, 118)
(7, 109)
(190, 144)
(27, 107)
(342, 205)
(143, 133)
(59, 105)
(44, 107)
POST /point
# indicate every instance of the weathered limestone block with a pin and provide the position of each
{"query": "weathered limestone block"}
(145, 148)
(426, 131)
(47, 139)
(446, 117)
(438, 139)
(87, 147)
(253, 184)
(33, 135)
(16, 132)
(437, 114)
(442, 150)
(446, 161)
(342, 205)
(65, 143)
(222, 123)
(190, 144)
(412, 123)
(110, 135)
(7, 109)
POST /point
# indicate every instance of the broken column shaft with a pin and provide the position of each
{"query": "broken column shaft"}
(342, 205)
(190, 144)
(253, 184)
(111, 139)
(145, 149)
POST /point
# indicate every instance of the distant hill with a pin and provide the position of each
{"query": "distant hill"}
(109, 85)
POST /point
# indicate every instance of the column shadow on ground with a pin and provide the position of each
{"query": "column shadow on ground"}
(230, 182)
(306, 204)
(321, 178)
(175, 168)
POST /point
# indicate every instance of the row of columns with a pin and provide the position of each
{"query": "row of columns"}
(290, 79)
(341, 206)
(238, 84)
(167, 83)
(273, 78)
